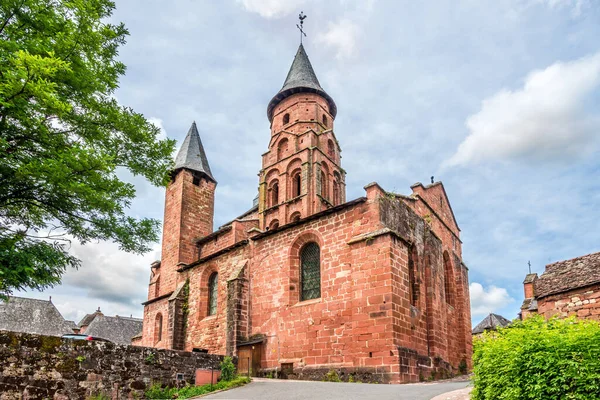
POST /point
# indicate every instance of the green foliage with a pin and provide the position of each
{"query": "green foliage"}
(150, 359)
(100, 396)
(63, 136)
(80, 358)
(535, 359)
(332, 376)
(157, 392)
(227, 369)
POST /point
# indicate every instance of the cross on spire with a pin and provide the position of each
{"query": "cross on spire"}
(301, 17)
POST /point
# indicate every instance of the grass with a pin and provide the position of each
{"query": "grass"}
(156, 392)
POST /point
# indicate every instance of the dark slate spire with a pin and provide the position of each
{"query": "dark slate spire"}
(301, 78)
(191, 154)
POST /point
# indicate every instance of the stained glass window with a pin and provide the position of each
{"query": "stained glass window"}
(310, 272)
(212, 293)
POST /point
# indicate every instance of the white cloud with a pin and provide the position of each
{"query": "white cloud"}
(576, 6)
(159, 124)
(485, 301)
(272, 8)
(544, 120)
(342, 36)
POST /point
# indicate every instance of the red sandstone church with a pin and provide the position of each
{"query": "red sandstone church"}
(306, 281)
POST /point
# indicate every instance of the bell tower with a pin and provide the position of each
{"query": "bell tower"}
(301, 171)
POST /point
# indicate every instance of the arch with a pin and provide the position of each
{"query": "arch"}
(296, 183)
(274, 224)
(310, 271)
(330, 148)
(448, 279)
(282, 148)
(324, 181)
(295, 217)
(158, 327)
(273, 193)
(286, 118)
(325, 120)
(213, 283)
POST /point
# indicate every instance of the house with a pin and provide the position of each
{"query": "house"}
(490, 323)
(566, 288)
(305, 280)
(20, 314)
(117, 329)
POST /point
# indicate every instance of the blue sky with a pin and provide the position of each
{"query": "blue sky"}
(499, 100)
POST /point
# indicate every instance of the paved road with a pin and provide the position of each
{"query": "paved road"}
(268, 389)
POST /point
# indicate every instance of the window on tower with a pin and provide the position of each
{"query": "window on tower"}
(158, 322)
(310, 272)
(325, 120)
(330, 148)
(296, 183)
(324, 192)
(286, 119)
(274, 193)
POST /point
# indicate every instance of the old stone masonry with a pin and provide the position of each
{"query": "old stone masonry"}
(306, 281)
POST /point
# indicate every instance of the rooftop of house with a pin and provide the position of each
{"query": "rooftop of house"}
(567, 275)
(20, 314)
(117, 329)
(491, 322)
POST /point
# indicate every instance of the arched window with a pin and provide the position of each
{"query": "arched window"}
(295, 217)
(274, 190)
(212, 293)
(158, 328)
(310, 272)
(282, 148)
(274, 224)
(324, 120)
(330, 148)
(336, 193)
(296, 183)
(286, 119)
(324, 191)
(448, 279)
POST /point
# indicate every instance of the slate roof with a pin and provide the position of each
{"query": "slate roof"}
(567, 275)
(85, 321)
(117, 329)
(191, 154)
(300, 79)
(491, 322)
(20, 314)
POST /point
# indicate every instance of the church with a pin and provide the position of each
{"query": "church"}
(306, 281)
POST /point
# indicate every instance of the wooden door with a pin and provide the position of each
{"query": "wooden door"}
(249, 358)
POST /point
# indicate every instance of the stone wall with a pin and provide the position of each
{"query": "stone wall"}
(47, 367)
(582, 303)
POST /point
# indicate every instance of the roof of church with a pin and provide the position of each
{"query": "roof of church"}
(300, 78)
(117, 329)
(85, 321)
(567, 275)
(41, 317)
(491, 322)
(191, 154)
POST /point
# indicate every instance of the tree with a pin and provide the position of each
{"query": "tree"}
(63, 137)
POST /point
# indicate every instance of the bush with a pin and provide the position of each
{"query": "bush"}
(227, 369)
(157, 392)
(332, 376)
(538, 359)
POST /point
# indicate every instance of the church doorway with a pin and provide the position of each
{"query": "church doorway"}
(249, 358)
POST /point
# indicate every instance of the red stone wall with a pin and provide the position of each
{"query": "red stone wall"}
(582, 303)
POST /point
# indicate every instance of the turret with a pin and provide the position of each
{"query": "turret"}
(189, 211)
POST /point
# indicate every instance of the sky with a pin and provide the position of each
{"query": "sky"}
(500, 100)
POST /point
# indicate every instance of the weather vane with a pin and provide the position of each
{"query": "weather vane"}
(302, 17)
(529, 263)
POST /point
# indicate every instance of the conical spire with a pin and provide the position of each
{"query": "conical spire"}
(191, 154)
(300, 78)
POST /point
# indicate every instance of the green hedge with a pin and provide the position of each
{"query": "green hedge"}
(158, 392)
(538, 359)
